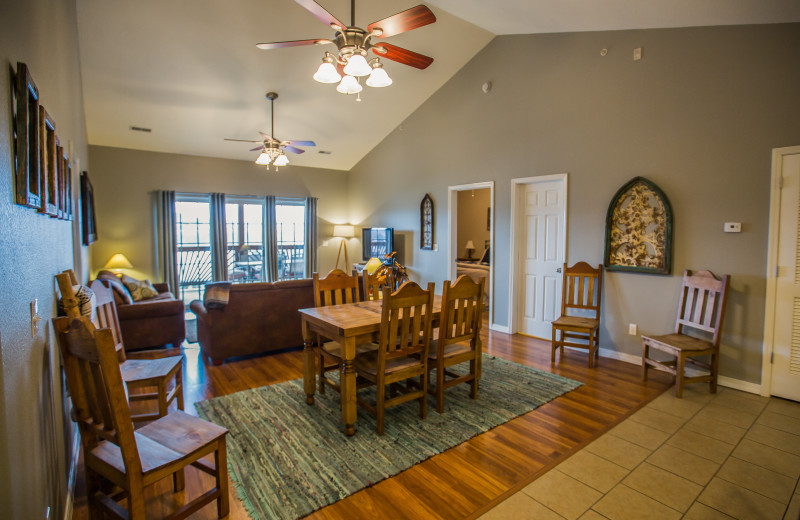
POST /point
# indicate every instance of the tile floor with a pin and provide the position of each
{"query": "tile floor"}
(706, 456)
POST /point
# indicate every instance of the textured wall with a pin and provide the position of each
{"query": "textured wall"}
(698, 115)
(124, 182)
(33, 452)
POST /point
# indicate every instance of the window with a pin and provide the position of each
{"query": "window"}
(193, 224)
(290, 215)
(244, 224)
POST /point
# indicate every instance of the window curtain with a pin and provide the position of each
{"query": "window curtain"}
(219, 245)
(271, 239)
(311, 237)
(167, 240)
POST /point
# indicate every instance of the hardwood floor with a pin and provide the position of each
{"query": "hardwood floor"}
(462, 482)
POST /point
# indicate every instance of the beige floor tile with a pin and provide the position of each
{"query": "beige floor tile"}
(668, 488)
(700, 511)
(793, 511)
(657, 419)
(619, 451)
(592, 515)
(562, 494)
(784, 407)
(521, 507)
(746, 402)
(668, 403)
(624, 503)
(716, 429)
(640, 434)
(739, 502)
(593, 470)
(706, 447)
(775, 438)
(779, 421)
(755, 478)
(728, 415)
(769, 457)
(687, 465)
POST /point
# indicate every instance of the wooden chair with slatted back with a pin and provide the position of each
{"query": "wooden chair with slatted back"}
(112, 450)
(335, 289)
(373, 284)
(164, 374)
(459, 338)
(701, 311)
(402, 352)
(579, 323)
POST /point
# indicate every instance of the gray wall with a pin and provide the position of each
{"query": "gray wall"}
(124, 182)
(33, 444)
(698, 115)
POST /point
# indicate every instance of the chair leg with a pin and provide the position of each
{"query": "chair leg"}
(591, 350)
(179, 480)
(221, 461)
(135, 500)
(473, 391)
(321, 372)
(92, 486)
(645, 366)
(423, 400)
(679, 364)
(440, 387)
(162, 398)
(379, 406)
(714, 371)
(179, 386)
(554, 346)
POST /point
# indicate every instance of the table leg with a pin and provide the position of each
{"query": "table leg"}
(309, 364)
(348, 387)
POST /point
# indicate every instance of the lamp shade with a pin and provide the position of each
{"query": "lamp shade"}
(379, 78)
(344, 231)
(357, 66)
(118, 261)
(263, 159)
(327, 73)
(470, 245)
(349, 85)
(281, 160)
(372, 265)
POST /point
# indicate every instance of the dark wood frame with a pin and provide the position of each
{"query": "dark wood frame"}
(88, 221)
(26, 134)
(667, 269)
(67, 187)
(426, 224)
(49, 162)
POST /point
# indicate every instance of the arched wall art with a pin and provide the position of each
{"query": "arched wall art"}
(639, 229)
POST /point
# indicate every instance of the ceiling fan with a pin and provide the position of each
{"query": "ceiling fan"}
(272, 150)
(353, 43)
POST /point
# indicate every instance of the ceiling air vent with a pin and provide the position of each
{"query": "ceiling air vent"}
(141, 129)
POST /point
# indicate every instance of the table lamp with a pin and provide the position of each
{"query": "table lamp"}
(470, 248)
(372, 265)
(117, 263)
(344, 231)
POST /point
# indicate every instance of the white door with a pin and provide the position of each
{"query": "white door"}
(542, 249)
(786, 347)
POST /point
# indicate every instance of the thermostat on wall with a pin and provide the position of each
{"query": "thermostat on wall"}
(733, 227)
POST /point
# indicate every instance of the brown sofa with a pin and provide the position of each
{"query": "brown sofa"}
(259, 317)
(147, 323)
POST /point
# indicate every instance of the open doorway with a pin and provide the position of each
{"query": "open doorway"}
(471, 234)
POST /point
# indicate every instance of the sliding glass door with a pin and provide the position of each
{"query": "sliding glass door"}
(291, 226)
(244, 223)
(193, 253)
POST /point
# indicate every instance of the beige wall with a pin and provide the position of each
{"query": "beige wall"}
(698, 115)
(125, 181)
(33, 443)
(471, 211)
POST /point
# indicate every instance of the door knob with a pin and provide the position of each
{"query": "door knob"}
(558, 270)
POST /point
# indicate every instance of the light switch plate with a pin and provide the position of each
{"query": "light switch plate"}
(733, 227)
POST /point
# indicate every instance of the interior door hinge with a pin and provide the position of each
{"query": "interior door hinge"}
(771, 358)
(780, 183)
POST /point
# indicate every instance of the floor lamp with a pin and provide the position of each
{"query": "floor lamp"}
(344, 231)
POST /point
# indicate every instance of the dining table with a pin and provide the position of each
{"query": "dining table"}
(349, 324)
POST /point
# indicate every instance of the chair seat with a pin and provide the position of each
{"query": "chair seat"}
(368, 363)
(149, 370)
(677, 342)
(451, 350)
(576, 322)
(334, 349)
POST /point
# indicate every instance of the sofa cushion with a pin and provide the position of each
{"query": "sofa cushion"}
(139, 289)
(121, 294)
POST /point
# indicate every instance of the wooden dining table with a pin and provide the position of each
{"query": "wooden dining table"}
(349, 324)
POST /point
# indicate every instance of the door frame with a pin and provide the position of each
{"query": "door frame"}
(517, 187)
(452, 231)
(768, 345)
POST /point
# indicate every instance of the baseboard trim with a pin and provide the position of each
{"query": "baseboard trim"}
(621, 356)
(72, 475)
(738, 384)
(499, 328)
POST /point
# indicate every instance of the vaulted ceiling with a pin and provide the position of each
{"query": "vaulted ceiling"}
(190, 71)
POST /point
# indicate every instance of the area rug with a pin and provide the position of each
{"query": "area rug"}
(288, 459)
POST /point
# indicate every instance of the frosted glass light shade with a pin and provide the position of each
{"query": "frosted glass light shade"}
(344, 231)
(263, 159)
(118, 261)
(357, 66)
(281, 160)
(379, 78)
(349, 85)
(327, 73)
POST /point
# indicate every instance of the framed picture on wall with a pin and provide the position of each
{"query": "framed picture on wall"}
(426, 222)
(88, 221)
(26, 135)
(49, 166)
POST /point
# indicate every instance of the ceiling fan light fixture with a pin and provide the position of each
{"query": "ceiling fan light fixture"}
(378, 77)
(349, 85)
(327, 73)
(281, 160)
(263, 159)
(357, 66)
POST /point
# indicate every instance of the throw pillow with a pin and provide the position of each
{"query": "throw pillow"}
(139, 289)
(86, 302)
(121, 293)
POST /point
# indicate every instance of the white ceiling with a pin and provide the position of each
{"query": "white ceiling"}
(190, 70)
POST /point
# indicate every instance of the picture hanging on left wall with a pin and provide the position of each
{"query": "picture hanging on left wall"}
(26, 137)
(88, 221)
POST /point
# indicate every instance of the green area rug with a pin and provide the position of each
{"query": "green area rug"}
(288, 459)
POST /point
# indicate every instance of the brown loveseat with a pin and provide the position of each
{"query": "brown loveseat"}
(258, 317)
(150, 322)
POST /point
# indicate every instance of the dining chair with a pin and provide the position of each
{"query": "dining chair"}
(113, 451)
(459, 338)
(402, 352)
(164, 374)
(581, 292)
(701, 311)
(372, 284)
(336, 288)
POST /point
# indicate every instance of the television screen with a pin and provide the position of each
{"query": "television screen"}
(377, 242)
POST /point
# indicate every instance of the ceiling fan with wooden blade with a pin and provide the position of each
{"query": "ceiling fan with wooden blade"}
(272, 149)
(353, 43)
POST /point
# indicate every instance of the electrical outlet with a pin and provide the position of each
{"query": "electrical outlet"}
(732, 227)
(633, 329)
(637, 54)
